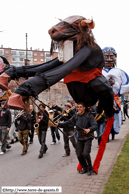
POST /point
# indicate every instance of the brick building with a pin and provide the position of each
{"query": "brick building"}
(17, 57)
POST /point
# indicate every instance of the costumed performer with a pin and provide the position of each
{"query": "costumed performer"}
(119, 81)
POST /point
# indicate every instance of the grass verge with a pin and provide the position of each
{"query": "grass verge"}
(118, 182)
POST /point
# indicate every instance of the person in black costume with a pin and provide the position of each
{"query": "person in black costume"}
(80, 63)
(33, 121)
(43, 125)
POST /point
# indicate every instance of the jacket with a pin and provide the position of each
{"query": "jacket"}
(85, 121)
(43, 124)
(5, 117)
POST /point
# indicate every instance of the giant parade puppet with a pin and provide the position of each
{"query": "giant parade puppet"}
(80, 63)
(119, 81)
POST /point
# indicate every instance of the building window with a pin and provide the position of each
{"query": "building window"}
(13, 59)
(22, 53)
(21, 59)
(1, 52)
(35, 54)
(41, 54)
(13, 52)
(6, 52)
(29, 53)
(48, 55)
(41, 60)
(35, 60)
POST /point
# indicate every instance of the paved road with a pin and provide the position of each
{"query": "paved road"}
(54, 170)
(20, 170)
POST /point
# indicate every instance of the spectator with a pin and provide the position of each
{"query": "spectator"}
(125, 109)
(12, 133)
(5, 124)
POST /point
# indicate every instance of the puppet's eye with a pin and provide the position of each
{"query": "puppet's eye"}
(105, 56)
(112, 56)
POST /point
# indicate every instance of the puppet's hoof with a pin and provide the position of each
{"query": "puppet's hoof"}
(4, 79)
(15, 102)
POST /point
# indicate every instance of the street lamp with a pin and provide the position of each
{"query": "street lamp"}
(27, 61)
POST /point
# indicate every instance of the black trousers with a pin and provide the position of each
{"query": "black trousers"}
(42, 141)
(125, 114)
(66, 141)
(31, 134)
(83, 150)
(55, 134)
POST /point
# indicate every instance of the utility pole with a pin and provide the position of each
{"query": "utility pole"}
(27, 61)
(26, 46)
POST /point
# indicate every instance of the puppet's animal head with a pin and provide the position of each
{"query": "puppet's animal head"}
(75, 28)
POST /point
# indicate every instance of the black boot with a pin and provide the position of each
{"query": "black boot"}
(8, 146)
(89, 172)
(16, 139)
(40, 155)
(46, 148)
(12, 141)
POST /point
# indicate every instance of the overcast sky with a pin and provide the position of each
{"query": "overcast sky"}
(35, 17)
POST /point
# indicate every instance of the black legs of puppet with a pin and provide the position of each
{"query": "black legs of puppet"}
(26, 71)
(41, 81)
(31, 87)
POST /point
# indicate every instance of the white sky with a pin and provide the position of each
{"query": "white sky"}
(36, 17)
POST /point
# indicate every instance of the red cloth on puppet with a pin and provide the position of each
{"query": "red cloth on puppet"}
(102, 145)
(83, 76)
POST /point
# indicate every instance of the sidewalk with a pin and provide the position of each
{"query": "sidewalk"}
(65, 174)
